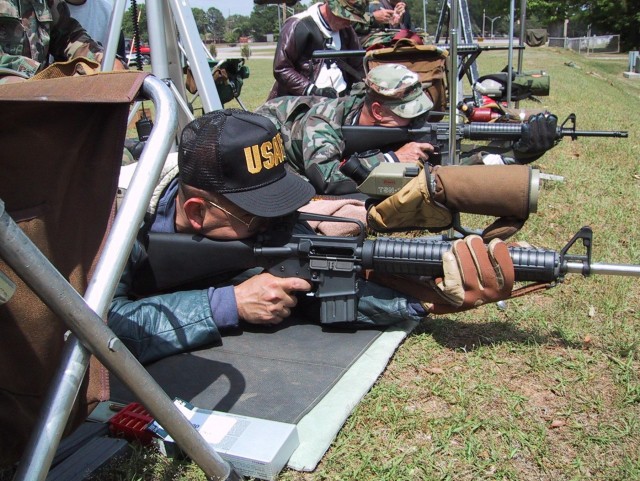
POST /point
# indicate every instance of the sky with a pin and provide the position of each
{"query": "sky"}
(227, 7)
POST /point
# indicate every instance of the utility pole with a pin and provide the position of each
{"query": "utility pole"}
(424, 15)
(483, 16)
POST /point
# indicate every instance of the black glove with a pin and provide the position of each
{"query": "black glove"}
(539, 134)
(328, 92)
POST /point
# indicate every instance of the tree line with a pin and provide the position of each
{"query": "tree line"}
(598, 17)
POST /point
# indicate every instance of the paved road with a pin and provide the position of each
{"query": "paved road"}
(258, 50)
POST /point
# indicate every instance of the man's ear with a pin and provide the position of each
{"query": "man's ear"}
(195, 210)
(377, 111)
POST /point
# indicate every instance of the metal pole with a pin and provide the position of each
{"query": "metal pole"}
(115, 25)
(424, 15)
(279, 18)
(155, 27)
(192, 44)
(43, 278)
(493, 20)
(512, 9)
(453, 80)
(483, 17)
(523, 21)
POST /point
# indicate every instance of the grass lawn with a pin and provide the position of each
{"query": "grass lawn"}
(545, 389)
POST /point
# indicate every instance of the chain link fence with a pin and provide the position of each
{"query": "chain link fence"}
(588, 45)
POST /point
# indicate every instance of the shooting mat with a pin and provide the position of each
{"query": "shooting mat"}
(296, 372)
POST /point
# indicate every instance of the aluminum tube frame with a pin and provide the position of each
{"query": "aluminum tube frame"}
(512, 10)
(453, 81)
(523, 21)
(166, 21)
(42, 277)
(198, 63)
(157, 42)
(115, 26)
(66, 384)
(47, 432)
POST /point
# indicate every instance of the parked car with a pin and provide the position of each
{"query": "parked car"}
(132, 59)
(145, 52)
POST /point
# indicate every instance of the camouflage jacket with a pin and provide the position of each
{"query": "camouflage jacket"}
(31, 30)
(311, 129)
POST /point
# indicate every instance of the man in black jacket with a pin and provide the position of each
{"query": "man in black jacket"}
(323, 26)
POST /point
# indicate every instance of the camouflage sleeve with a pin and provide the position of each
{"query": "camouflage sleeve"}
(23, 66)
(322, 152)
(68, 38)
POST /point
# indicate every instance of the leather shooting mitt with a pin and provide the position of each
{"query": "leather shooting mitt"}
(410, 208)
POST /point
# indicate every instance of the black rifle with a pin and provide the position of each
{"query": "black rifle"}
(463, 49)
(360, 139)
(334, 264)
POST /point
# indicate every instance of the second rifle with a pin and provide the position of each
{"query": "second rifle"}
(363, 138)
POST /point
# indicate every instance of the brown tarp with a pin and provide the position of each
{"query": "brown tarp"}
(61, 147)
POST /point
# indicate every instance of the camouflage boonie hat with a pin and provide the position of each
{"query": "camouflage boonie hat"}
(353, 10)
(398, 88)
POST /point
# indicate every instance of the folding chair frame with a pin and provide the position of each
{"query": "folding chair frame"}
(84, 317)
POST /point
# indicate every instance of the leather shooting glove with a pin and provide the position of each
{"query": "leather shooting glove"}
(328, 92)
(474, 274)
(410, 208)
(539, 134)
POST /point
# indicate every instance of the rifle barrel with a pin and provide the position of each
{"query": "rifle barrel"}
(331, 54)
(605, 269)
(594, 133)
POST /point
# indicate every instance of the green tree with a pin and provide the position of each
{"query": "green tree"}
(239, 25)
(263, 20)
(128, 23)
(202, 21)
(613, 17)
(216, 24)
(603, 17)
(416, 10)
(599, 17)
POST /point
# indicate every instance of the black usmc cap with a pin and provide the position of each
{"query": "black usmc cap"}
(240, 155)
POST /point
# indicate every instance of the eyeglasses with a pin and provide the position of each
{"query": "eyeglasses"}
(252, 226)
